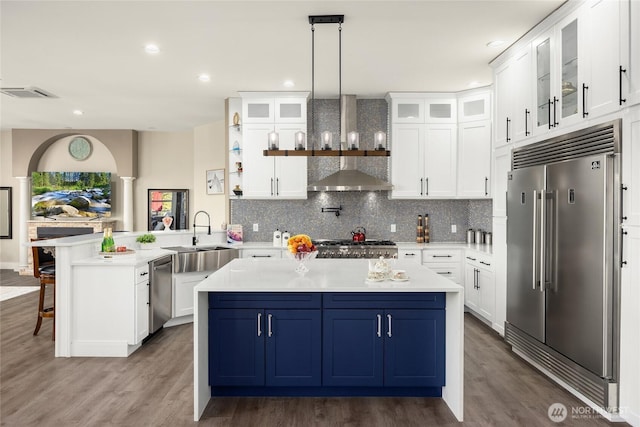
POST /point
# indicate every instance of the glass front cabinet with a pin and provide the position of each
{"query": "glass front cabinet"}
(560, 84)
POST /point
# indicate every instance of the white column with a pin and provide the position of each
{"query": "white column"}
(127, 198)
(24, 212)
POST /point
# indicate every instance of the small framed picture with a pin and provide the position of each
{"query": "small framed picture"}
(215, 181)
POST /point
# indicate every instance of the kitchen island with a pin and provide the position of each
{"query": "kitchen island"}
(330, 284)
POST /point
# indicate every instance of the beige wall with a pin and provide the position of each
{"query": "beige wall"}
(164, 160)
(8, 247)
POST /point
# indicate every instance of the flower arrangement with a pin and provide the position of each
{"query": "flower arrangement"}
(301, 244)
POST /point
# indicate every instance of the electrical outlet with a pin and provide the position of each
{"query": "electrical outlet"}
(393, 228)
(454, 228)
(255, 227)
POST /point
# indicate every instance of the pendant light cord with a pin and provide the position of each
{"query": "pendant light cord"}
(340, 85)
(313, 90)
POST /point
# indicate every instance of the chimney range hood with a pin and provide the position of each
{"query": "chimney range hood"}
(349, 178)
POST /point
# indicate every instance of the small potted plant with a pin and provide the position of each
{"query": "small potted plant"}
(146, 240)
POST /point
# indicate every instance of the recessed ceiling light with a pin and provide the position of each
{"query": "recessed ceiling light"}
(495, 43)
(78, 112)
(152, 49)
(288, 83)
(204, 77)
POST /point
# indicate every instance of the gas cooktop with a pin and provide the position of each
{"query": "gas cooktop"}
(350, 249)
(347, 242)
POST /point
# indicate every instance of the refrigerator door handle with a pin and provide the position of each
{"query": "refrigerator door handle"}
(535, 241)
(543, 248)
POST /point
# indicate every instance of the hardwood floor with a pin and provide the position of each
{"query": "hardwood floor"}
(154, 386)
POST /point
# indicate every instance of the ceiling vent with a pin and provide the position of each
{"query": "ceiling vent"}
(27, 92)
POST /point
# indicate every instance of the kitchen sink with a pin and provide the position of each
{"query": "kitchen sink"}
(201, 258)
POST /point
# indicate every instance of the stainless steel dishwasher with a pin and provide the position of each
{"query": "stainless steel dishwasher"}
(160, 292)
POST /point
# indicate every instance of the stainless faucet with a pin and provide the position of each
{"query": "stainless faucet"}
(195, 239)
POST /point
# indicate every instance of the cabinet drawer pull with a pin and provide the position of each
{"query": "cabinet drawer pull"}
(485, 263)
(409, 254)
(526, 122)
(421, 186)
(472, 259)
(426, 184)
(144, 273)
(444, 272)
(379, 332)
(508, 122)
(442, 256)
(260, 256)
(269, 330)
(389, 319)
(259, 324)
(486, 186)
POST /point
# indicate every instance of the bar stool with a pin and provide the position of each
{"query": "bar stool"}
(44, 268)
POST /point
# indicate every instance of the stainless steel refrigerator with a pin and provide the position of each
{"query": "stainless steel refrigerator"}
(563, 208)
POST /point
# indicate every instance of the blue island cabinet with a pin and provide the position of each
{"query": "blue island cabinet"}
(261, 339)
(339, 343)
(384, 339)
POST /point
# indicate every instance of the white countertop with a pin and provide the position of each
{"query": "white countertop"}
(487, 249)
(325, 275)
(129, 259)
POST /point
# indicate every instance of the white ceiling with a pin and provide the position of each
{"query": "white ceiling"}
(90, 54)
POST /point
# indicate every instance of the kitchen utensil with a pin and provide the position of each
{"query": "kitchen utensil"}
(359, 234)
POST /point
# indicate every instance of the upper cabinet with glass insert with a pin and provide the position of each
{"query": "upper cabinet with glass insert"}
(559, 72)
(289, 107)
(423, 108)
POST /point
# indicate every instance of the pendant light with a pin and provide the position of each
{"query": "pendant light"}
(326, 138)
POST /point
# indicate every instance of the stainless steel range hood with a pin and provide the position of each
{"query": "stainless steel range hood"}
(349, 178)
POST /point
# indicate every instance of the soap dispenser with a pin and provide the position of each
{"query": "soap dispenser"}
(285, 239)
(277, 238)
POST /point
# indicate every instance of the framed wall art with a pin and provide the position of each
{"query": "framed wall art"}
(215, 181)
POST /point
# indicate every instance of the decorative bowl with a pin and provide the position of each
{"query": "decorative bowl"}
(302, 258)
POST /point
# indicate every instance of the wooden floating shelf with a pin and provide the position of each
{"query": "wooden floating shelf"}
(327, 153)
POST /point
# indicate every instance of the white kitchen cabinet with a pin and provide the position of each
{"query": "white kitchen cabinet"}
(499, 249)
(559, 74)
(631, 166)
(474, 106)
(182, 291)
(423, 164)
(258, 110)
(479, 285)
(513, 99)
(603, 56)
(474, 160)
(441, 110)
(445, 262)
(141, 329)
(501, 167)
(272, 177)
(262, 253)
(111, 311)
(504, 81)
(407, 110)
(631, 46)
(629, 331)
(291, 110)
